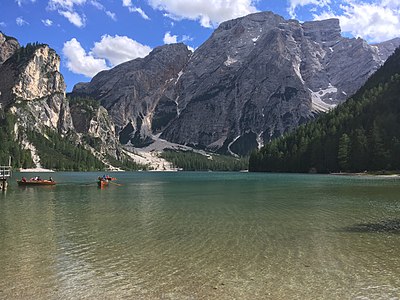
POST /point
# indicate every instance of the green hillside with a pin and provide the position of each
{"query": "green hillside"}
(10, 146)
(363, 134)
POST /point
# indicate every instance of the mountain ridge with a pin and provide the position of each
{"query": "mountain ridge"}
(254, 79)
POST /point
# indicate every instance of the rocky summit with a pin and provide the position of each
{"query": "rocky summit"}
(34, 83)
(8, 45)
(139, 94)
(255, 78)
(33, 90)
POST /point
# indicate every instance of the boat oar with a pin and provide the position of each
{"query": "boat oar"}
(115, 183)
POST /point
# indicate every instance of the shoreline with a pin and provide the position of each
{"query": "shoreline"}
(366, 174)
(36, 170)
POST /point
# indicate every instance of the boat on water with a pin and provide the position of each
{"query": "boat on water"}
(35, 182)
(104, 181)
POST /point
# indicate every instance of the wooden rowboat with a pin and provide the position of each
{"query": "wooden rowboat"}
(35, 182)
(104, 181)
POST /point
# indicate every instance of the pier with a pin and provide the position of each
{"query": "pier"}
(5, 173)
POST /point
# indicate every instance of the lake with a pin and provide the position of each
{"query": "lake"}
(182, 235)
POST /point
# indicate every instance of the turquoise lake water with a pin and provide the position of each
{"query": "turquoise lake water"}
(182, 235)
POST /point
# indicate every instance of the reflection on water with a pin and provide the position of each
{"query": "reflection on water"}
(201, 236)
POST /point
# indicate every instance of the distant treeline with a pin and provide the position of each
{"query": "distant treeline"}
(191, 161)
(23, 54)
(361, 134)
(10, 147)
(85, 102)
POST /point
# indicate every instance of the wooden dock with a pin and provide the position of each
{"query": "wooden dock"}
(5, 173)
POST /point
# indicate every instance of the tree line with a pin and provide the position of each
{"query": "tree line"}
(10, 146)
(61, 154)
(191, 161)
(23, 54)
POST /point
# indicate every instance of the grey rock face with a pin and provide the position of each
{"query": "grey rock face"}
(255, 78)
(385, 49)
(8, 46)
(260, 76)
(131, 91)
(33, 81)
(97, 126)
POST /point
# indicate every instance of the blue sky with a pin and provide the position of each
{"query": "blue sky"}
(93, 35)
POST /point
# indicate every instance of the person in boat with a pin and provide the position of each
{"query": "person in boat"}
(23, 179)
(51, 179)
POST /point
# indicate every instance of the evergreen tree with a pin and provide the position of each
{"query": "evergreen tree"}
(344, 152)
(359, 150)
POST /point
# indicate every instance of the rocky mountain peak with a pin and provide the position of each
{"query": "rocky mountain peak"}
(33, 78)
(132, 90)
(385, 49)
(252, 21)
(255, 78)
(41, 76)
(8, 46)
(323, 31)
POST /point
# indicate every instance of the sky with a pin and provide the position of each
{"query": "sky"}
(95, 35)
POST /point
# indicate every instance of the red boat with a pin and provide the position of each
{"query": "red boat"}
(104, 181)
(36, 182)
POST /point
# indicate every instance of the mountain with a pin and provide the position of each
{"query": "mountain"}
(254, 79)
(139, 94)
(361, 134)
(39, 126)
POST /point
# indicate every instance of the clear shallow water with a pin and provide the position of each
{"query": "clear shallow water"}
(202, 236)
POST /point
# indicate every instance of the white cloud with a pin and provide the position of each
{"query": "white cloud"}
(293, 4)
(64, 4)
(97, 4)
(101, 7)
(111, 49)
(79, 62)
(74, 18)
(3, 24)
(208, 12)
(67, 9)
(21, 2)
(119, 49)
(393, 4)
(134, 9)
(112, 15)
(47, 22)
(139, 11)
(21, 22)
(170, 39)
(374, 22)
(127, 3)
